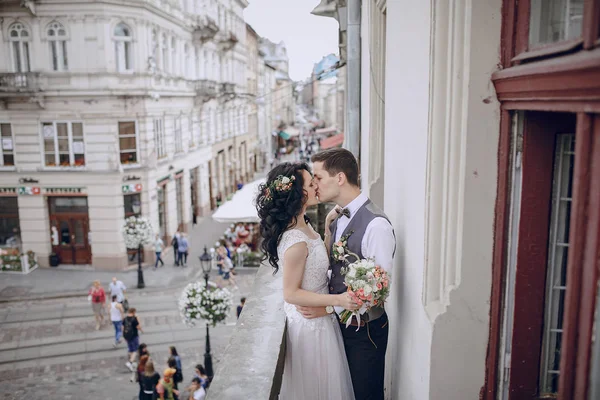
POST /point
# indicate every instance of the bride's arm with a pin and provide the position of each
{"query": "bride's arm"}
(294, 262)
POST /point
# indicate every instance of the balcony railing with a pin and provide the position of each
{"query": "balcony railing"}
(20, 82)
(228, 88)
(227, 40)
(205, 28)
(257, 345)
(206, 89)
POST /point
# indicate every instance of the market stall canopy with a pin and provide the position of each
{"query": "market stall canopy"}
(332, 141)
(241, 207)
(289, 132)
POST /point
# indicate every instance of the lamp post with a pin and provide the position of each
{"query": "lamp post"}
(206, 264)
(140, 283)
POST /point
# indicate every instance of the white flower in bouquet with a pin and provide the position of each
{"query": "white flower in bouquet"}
(137, 231)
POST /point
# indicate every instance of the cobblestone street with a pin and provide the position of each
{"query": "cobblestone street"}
(49, 348)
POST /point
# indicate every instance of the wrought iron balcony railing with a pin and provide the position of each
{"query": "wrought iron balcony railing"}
(20, 82)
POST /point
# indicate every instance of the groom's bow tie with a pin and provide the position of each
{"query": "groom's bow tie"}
(344, 211)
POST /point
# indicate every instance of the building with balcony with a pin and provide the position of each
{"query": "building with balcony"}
(110, 110)
(480, 139)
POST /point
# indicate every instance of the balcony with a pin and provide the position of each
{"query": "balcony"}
(228, 88)
(19, 82)
(226, 40)
(256, 345)
(206, 90)
(205, 28)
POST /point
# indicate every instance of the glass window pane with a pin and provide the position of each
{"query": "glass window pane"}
(78, 232)
(60, 205)
(65, 62)
(49, 145)
(9, 159)
(26, 67)
(50, 160)
(17, 57)
(127, 143)
(62, 130)
(79, 160)
(54, 52)
(5, 130)
(9, 221)
(64, 160)
(554, 21)
(126, 128)
(63, 145)
(128, 158)
(132, 204)
(77, 129)
(127, 56)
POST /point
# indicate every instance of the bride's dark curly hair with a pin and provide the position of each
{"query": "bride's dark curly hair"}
(279, 210)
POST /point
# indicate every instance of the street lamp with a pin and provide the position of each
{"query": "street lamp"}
(206, 264)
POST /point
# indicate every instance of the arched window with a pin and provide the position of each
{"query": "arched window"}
(154, 45)
(186, 69)
(123, 39)
(57, 37)
(173, 66)
(19, 37)
(165, 53)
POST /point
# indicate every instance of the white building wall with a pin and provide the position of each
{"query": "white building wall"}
(441, 136)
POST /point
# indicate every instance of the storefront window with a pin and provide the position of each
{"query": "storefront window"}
(554, 21)
(162, 211)
(179, 194)
(9, 222)
(133, 205)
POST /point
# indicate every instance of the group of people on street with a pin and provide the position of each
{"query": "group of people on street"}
(97, 297)
(180, 244)
(152, 386)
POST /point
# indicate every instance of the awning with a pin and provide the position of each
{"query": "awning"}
(241, 207)
(325, 131)
(332, 141)
(289, 133)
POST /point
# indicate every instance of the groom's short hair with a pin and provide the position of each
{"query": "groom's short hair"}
(336, 160)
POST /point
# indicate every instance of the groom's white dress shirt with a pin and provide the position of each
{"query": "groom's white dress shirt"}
(378, 242)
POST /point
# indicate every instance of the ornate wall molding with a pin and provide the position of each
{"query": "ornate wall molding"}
(448, 97)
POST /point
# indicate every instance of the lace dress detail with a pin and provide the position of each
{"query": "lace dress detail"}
(315, 364)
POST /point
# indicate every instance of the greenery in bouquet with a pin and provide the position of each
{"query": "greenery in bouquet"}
(368, 285)
(198, 302)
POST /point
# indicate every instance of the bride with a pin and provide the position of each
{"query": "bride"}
(315, 362)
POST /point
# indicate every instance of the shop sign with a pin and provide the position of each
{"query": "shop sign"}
(7, 191)
(29, 190)
(132, 188)
(64, 190)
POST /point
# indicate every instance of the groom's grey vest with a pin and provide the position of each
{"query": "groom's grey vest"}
(358, 224)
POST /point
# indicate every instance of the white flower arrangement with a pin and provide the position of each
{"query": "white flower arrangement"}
(137, 231)
(197, 302)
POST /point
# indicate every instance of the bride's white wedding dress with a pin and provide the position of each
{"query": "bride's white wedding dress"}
(315, 361)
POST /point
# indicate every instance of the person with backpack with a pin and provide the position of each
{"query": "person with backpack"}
(131, 333)
(175, 244)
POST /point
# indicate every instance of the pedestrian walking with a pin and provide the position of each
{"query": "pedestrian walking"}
(116, 317)
(142, 351)
(197, 392)
(117, 288)
(240, 307)
(150, 381)
(131, 331)
(165, 387)
(175, 244)
(183, 246)
(200, 373)
(158, 248)
(97, 297)
(178, 376)
(227, 278)
(143, 360)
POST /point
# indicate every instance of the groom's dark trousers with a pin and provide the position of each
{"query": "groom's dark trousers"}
(365, 350)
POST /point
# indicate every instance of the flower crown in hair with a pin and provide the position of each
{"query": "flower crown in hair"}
(281, 184)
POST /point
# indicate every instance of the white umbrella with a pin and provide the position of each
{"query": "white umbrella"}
(241, 207)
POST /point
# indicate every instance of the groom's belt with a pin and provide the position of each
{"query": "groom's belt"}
(371, 315)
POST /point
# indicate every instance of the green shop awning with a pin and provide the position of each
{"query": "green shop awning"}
(284, 135)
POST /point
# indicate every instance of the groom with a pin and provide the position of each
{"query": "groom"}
(370, 235)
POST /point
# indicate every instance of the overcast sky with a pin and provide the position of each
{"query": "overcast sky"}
(307, 37)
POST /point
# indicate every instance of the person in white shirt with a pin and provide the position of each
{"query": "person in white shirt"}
(369, 234)
(196, 390)
(117, 288)
(116, 317)
(158, 248)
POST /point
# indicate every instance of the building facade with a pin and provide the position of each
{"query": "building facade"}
(113, 110)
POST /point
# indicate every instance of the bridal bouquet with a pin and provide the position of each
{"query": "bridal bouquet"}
(368, 285)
